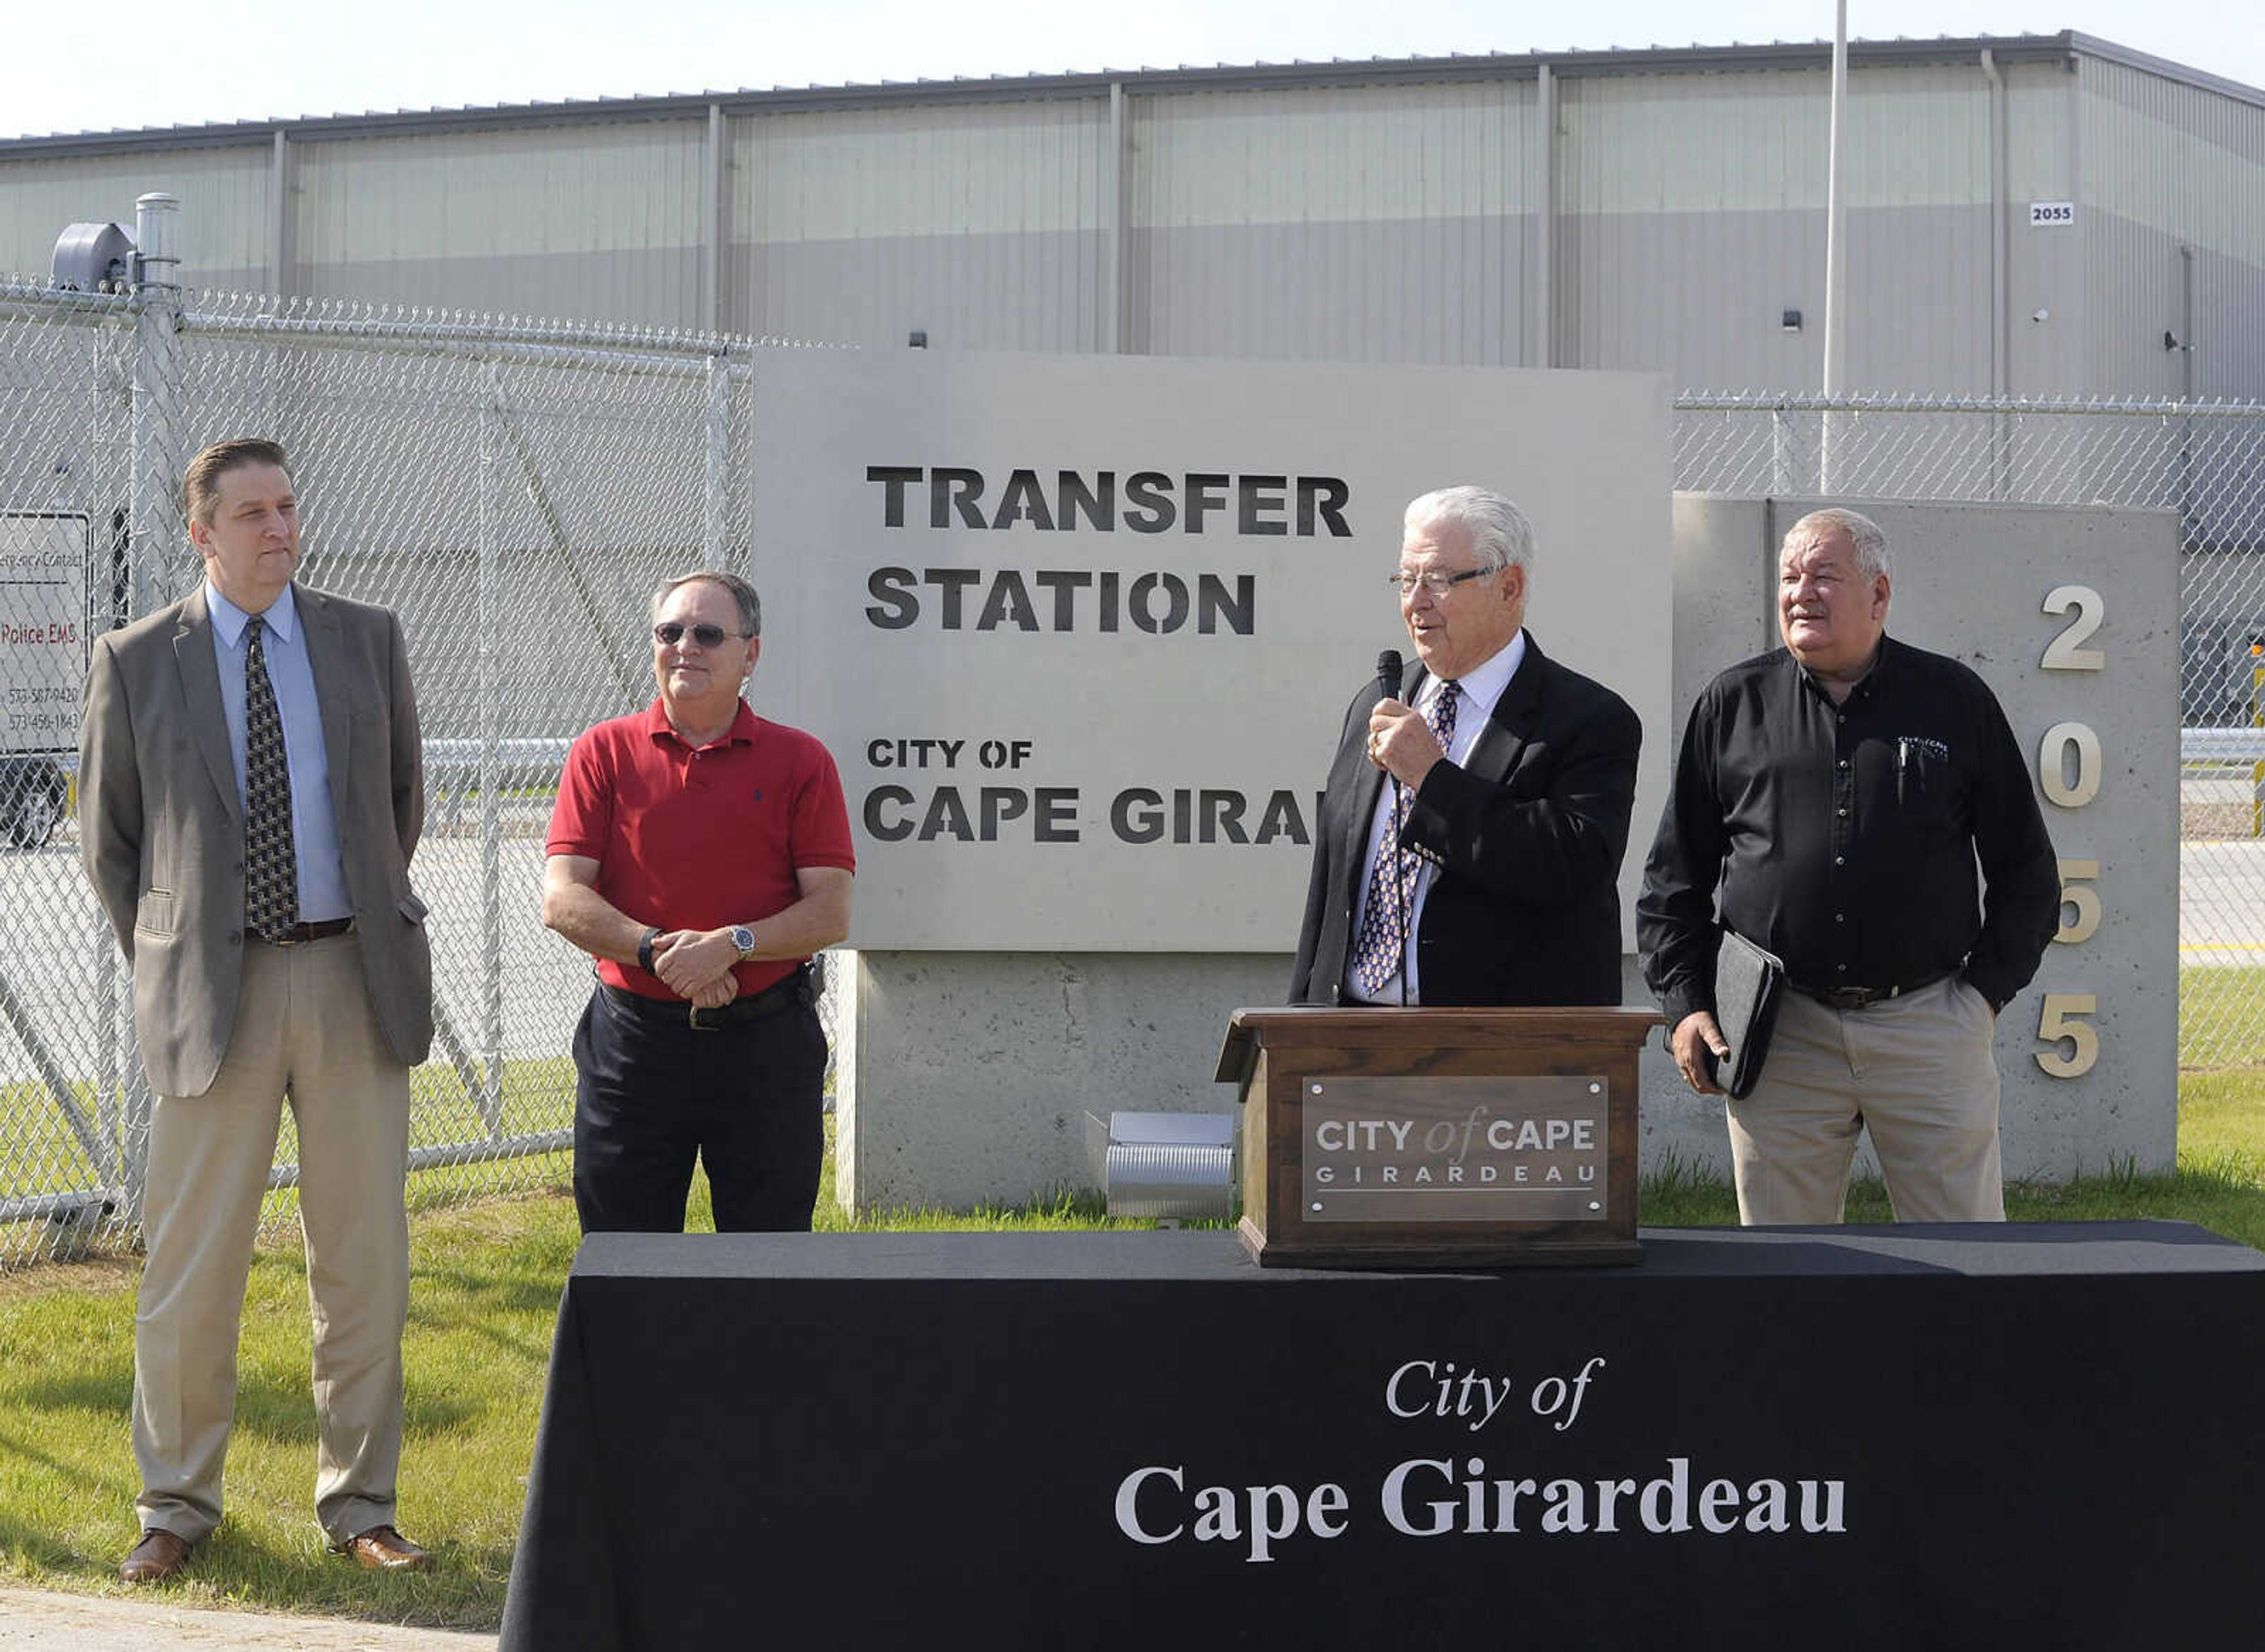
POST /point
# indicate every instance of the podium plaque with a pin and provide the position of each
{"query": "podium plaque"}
(1437, 1137)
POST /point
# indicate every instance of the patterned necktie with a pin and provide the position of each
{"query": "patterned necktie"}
(271, 862)
(1383, 941)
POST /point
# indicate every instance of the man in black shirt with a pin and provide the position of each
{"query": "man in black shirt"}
(1835, 798)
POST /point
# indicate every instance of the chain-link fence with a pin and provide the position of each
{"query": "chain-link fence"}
(2204, 459)
(512, 490)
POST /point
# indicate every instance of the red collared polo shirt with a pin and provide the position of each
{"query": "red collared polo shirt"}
(698, 839)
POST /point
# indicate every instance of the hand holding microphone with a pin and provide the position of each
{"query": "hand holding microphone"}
(1399, 742)
(1389, 669)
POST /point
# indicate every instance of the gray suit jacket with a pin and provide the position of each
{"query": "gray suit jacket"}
(161, 828)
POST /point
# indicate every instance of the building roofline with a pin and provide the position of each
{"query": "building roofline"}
(2063, 46)
(2093, 45)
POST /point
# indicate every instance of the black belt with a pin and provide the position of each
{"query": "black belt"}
(300, 934)
(1858, 997)
(801, 988)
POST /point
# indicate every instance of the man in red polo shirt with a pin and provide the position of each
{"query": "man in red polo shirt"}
(701, 854)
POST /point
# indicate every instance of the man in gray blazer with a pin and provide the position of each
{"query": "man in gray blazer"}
(250, 789)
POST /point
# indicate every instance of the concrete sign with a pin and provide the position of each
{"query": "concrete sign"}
(1081, 632)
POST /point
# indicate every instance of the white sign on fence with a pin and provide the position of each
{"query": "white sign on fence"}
(1082, 632)
(42, 630)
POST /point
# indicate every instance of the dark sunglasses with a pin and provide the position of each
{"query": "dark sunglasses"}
(671, 632)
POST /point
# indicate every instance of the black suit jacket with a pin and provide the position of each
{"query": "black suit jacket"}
(1527, 837)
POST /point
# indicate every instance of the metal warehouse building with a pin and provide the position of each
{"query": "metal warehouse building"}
(2043, 217)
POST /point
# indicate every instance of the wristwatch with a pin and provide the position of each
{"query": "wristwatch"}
(644, 949)
(743, 937)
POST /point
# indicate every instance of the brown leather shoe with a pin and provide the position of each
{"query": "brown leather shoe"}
(383, 1549)
(159, 1555)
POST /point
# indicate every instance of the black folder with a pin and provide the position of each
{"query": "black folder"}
(1747, 982)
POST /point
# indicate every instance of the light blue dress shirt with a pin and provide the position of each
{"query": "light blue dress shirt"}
(314, 824)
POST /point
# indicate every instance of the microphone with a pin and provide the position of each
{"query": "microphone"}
(1387, 672)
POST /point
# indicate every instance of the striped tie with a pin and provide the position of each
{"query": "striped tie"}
(1383, 941)
(271, 862)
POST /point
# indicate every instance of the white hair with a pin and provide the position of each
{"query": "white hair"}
(1866, 539)
(1499, 532)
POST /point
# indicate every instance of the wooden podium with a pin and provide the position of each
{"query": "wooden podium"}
(1437, 1137)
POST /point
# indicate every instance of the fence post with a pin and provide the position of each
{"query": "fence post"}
(490, 1099)
(155, 539)
(717, 429)
(156, 417)
(1782, 482)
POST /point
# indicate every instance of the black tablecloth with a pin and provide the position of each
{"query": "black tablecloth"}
(2000, 1437)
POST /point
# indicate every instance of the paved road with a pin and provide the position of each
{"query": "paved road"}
(37, 1620)
(2222, 902)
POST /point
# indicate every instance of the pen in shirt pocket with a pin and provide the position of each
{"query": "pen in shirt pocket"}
(1903, 767)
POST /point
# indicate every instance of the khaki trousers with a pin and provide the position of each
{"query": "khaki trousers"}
(303, 1029)
(1916, 1071)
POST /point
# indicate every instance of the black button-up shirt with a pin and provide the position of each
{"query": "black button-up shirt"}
(1844, 838)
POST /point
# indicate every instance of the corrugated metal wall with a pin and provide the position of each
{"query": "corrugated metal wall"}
(982, 224)
(1693, 218)
(2044, 262)
(1387, 220)
(590, 221)
(1357, 223)
(2167, 166)
(1689, 197)
(2174, 255)
(225, 229)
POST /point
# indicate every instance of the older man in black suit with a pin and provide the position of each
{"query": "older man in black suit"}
(1471, 835)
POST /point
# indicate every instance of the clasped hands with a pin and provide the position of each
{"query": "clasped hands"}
(696, 965)
(1401, 743)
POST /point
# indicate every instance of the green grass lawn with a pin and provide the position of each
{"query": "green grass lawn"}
(486, 1284)
(487, 1278)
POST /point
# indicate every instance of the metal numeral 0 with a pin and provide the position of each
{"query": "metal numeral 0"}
(2052, 765)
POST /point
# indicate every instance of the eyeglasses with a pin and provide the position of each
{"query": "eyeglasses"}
(669, 633)
(1437, 583)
